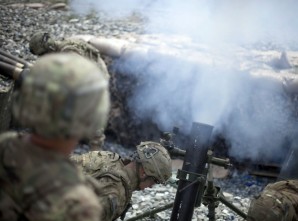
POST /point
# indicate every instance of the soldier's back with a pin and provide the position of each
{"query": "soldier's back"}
(80, 47)
(84, 49)
(111, 181)
(37, 184)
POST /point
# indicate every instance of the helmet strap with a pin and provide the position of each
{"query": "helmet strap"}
(158, 170)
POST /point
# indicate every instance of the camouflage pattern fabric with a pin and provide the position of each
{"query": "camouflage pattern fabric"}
(84, 49)
(277, 202)
(43, 43)
(113, 183)
(37, 184)
(63, 95)
(78, 46)
(155, 160)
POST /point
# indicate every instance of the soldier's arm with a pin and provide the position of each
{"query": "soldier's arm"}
(111, 196)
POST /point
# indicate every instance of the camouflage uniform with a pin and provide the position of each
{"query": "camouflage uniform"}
(41, 184)
(82, 48)
(42, 43)
(115, 182)
(38, 184)
(278, 202)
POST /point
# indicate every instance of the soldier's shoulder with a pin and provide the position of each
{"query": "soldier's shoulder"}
(78, 158)
(8, 136)
(86, 206)
(97, 163)
(73, 42)
(53, 182)
(97, 155)
(109, 155)
(64, 171)
(77, 43)
(77, 203)
(82, 192)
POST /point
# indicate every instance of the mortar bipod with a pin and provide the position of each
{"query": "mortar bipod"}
(213, 194)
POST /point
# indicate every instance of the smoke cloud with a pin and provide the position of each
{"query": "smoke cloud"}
(246, 21)
(254, 116)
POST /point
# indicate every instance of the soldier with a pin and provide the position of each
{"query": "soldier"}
(277, 202)
(117, 178)
(42, 43)
(63, 98)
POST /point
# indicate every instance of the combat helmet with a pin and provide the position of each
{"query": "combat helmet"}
(41, 43)
(63, 95)
(155, 160)
(270, 206)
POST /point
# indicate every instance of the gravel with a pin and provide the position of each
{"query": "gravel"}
(19, 24)
(238, 189)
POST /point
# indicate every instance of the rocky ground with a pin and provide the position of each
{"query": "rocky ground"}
(19, 23)
(237, 189)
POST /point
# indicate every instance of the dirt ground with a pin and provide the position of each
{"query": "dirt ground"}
(6, 2)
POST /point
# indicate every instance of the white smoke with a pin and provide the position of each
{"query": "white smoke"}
(213, 21)
(254, 117)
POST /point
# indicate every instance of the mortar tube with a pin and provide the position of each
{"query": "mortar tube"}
(10, 70)
(195, 161)
(10, 61)
(19, 60)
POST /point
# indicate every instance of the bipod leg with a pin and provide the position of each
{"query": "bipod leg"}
(211, 212)
(232, 207)
(211, 200)
(151, 212)
(210, 197)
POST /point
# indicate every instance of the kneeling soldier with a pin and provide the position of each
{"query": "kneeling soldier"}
(116, 179)
(62, 99)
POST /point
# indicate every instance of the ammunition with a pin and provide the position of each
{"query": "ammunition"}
(10, 70)
(11, 61)
(19, 60)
